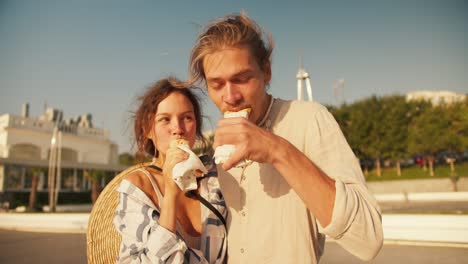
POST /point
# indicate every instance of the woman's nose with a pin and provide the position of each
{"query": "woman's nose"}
(177, 127)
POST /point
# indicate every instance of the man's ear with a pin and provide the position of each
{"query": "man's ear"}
(267, 72)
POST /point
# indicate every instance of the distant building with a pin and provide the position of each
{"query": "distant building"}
(25, 147)
(436, 97)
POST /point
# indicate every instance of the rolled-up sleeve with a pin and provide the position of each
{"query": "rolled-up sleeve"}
(356, 221)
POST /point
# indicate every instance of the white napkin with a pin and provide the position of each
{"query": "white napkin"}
(183, 172)
(222, 153)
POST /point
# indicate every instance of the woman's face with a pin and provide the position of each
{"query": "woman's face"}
(174, 119)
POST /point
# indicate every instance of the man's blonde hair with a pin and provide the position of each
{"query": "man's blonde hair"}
(235, 30)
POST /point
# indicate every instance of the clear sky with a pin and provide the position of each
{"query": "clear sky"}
(97, 56)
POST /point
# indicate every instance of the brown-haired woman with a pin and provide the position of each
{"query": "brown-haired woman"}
(157, 222)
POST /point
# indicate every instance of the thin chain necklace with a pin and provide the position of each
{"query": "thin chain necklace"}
(264, 122)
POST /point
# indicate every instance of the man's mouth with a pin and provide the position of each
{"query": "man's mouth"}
(236, 109)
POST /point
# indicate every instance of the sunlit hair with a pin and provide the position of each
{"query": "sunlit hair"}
(146, 112)
(235, 30)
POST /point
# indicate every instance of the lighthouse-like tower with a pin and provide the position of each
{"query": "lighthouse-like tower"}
(302, 75)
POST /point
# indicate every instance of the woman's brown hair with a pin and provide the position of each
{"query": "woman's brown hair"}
(145, 114)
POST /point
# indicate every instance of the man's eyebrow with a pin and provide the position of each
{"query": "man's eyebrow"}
(241, 73)
(236, 75)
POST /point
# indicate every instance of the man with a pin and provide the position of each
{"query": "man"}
(301, 180)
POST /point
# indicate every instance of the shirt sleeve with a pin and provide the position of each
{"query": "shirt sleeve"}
(356, 221)
(143, 239)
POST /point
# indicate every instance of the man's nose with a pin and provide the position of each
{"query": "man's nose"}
(232, 94)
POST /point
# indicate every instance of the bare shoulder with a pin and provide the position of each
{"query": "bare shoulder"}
(137, 178)
(140, 180)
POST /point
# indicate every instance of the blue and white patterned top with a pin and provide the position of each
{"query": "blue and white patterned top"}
(145, 241)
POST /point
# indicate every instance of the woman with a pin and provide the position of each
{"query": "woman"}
(157, 221)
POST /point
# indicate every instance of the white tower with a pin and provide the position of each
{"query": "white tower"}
(338, 89)
(302, 75)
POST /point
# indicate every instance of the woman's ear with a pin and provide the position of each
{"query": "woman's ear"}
(150, 134)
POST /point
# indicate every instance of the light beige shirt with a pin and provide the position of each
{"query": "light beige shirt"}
(269, 223)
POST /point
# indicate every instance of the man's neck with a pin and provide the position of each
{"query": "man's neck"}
(265, 105)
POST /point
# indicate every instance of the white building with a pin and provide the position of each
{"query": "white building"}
(25, 144)
(436, 97)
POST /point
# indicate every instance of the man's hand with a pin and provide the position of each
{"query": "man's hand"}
(251, 142)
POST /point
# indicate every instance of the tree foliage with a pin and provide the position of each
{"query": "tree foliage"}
(126, 159)
(94, 177)
(391, 128)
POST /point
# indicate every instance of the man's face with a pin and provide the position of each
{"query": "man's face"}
(235, 81)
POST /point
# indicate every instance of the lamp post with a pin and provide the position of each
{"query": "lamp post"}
(51, 174)
(54, 175)
(59, 168)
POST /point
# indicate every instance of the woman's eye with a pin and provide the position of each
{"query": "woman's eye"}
(163, 120)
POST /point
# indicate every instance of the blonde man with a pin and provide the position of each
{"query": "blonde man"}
(302, 181)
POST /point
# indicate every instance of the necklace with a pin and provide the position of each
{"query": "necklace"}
(264, 121)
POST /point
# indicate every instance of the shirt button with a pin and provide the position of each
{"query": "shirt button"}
(242, 250)
(243, 178)
(243, 213)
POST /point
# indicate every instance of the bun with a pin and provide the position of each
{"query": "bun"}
(242, 113)
(176, 142)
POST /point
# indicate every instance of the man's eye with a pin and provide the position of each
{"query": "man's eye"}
(242, 79)
(214, 86)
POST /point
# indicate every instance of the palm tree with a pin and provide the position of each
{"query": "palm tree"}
(35, 182)
(94, 177)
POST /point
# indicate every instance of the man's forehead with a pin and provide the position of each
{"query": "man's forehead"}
(227, 62)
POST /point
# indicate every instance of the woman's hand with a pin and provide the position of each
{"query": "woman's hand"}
(174, 155)
(172, 192)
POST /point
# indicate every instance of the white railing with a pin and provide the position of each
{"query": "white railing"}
(48, 126)
(30, 123)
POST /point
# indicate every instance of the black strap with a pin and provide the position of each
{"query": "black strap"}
(155, 167)
(193, 194)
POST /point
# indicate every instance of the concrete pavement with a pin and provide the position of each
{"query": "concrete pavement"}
(451, 230)
(50, 248)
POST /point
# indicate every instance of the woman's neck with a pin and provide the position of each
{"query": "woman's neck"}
(159, 161)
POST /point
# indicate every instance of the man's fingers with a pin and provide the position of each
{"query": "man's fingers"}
(235, 158)
(230, 131)
(232, 135)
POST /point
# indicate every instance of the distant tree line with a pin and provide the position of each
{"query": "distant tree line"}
(390, 128)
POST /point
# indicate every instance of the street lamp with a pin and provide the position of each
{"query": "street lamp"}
(54, 175)
(51, 174)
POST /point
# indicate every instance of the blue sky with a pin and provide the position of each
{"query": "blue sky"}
(85, 56)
